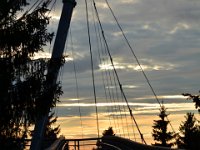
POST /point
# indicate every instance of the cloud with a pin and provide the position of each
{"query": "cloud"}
(164, 97)
(147, 65)
(165, 37)
(179, 26)
(138, 108)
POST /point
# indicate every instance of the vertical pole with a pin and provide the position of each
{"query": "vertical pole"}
(78, 145)
(75, 145)
(54, 68)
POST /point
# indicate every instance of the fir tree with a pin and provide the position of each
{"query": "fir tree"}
(160, 133)
(189, 135)
(51, 131)
(23, 90)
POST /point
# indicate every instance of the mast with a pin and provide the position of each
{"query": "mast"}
(53, 69)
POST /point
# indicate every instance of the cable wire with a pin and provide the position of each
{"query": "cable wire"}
(92, 66)
(137, 60)
(76, 80)
(120, 85)
(99, 44)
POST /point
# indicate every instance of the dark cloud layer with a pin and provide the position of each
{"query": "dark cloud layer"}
(165, 37)
(165, 32)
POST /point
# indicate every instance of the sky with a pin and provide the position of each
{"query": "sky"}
(165, 37)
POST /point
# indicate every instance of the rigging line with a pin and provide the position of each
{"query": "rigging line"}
(39, 4)
(114, 85)
(76, 80)
(116, 90)
(92, 66)
(111, 92)
(127, 127)
(127, 41)
(36, 5)
(108, 84)
(127, 120)
(119, 107)
(132, 124)
(53, 6)
(26, 12)
(45, 3)
(31, 7)
(99, 42)
(48, 2)
(113, 98)
(106, 77)
(137, 60)
(120, 85)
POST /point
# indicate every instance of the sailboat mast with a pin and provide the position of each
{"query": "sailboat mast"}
(53, 69)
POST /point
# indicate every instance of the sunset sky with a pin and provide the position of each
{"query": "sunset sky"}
(165, 36)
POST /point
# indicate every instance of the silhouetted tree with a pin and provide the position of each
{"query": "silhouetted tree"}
(160, 133)
(23, 90)
(109, 131)
(189, 133)
(195, 98)
(51, 131)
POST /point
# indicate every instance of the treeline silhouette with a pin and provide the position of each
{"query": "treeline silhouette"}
(188, 136)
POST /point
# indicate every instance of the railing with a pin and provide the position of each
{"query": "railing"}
(58, 144)
(126, 144)
(104, 143)
(83, 144)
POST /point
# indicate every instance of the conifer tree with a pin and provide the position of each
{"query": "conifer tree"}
(189, 135)
(160, 134)
(23, 94)
(51, 131)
